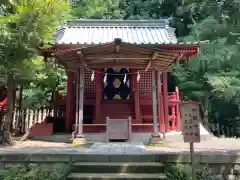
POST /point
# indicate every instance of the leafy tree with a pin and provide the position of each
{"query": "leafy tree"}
(21, 32)
(40, 91)
(96, 9)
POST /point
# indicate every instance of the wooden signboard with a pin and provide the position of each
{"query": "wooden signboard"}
(190, 118)
(118, 129)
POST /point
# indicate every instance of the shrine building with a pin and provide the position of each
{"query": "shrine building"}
(117, 76)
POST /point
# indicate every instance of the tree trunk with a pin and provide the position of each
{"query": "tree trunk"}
(10, 101)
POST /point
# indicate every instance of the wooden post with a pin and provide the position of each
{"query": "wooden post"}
(69, 112)
(218, 130)
(77, 100)
(193, 161)
(165, 100)
(160, 103)
(130, 128)
(232, 132)
(154, 104)
(228, 131)
(222, 130)
(136, 98)
(107, 122)
(81, 99)
(98, 99)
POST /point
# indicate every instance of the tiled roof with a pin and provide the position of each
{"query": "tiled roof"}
(104, 31)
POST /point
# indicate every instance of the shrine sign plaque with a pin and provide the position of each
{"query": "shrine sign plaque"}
(190, 121)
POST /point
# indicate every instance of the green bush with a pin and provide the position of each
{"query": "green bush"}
(58, 172)
(184, 172)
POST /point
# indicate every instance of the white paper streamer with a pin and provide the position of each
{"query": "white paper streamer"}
(93, 75)
(138, 77)
(125, 78)
(105, 78)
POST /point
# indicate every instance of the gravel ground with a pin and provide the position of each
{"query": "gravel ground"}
(212, 145)
(43, 144)
(224, 145)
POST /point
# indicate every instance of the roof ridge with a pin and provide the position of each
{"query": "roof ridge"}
(117, 22)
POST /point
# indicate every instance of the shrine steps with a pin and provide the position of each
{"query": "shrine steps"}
(117, 170)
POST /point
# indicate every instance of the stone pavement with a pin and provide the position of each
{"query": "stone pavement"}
(96, 148)
(118, 148)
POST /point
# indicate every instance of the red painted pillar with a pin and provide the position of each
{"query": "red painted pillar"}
(178, 110)
(173, 116)
(98, 98)
(165, 101)
(69, 102)
(160, 103)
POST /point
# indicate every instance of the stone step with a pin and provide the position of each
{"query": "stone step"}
(117, 167)
(3, 172)
(112, 176)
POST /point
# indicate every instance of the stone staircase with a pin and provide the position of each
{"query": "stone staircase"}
(117, 170)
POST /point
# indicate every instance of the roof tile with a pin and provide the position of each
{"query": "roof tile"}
(104, 31)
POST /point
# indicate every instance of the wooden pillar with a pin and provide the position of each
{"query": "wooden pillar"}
(160, 103)
(98, 99)
(165, 100)
(81, 99)
(77, 100)
(154, 104)
(69, 104)
(173, 109)
(178, 110)
(136, 97)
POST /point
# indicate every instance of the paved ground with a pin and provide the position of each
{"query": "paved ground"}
(224, 145)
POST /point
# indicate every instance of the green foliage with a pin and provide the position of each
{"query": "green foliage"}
(24, 29)
(213, 76)
(96, 9)
(37, 173)
(33, 23)
(184, 172)
(39, 89)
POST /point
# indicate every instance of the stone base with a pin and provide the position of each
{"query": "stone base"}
(156, 139)
(78, 141)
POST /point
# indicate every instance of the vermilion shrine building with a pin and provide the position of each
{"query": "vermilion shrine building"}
(118, 69)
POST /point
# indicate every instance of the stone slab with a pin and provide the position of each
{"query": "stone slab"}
(49, 158)
(89, 158)
(132, 158)
(14, 157)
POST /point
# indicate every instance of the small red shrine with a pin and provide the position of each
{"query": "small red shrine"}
(117, 69)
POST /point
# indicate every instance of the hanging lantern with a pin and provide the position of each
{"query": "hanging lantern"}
(105, 78)
(138, 77)
(125, 79)
(93, 75)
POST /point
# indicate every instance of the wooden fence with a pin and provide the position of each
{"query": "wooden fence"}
(222, 130)
(24, 119)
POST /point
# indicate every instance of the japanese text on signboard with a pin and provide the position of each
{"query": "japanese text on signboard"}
(190, 122)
